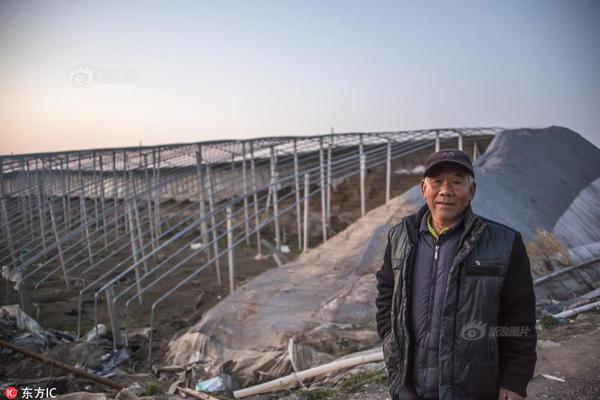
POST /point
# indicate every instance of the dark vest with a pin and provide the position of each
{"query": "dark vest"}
(429, 274)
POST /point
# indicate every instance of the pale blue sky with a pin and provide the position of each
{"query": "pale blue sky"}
(236, 69)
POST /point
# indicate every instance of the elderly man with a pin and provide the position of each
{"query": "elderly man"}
(455, 303)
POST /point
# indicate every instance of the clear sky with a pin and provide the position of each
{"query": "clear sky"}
(181, 71)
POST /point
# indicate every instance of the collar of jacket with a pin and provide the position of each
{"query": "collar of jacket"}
(413, 222)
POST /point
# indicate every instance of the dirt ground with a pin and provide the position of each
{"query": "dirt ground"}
(570, 352)
(55, 306)
(59, 310)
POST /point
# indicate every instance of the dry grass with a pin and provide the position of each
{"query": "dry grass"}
(546, 253)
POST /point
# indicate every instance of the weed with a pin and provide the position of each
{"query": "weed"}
(151, 389)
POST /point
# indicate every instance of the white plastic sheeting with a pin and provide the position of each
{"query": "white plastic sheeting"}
(580, 224)
(324, 300)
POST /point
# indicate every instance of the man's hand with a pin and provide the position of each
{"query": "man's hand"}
(508, 395)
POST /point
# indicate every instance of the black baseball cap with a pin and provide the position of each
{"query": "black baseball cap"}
(449, 156)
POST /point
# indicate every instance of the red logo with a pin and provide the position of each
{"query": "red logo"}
(11, 392)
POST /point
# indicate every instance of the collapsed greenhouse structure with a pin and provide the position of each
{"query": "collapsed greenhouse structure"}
(256, 259)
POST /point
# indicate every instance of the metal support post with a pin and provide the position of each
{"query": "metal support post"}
(388, 172)
(323, 192)
(297, 192)
(363, 173)
(306, 210)
(201, 201)
(328, 183)
(230, 251)
(213, 227)
(274, 184)
(58, 244)
(255, 195)
(245, 194)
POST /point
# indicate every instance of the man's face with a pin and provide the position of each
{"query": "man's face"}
(448, 190)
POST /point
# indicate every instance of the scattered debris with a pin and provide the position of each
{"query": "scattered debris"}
(217, 384)
(168, 368)
(110, 361)
(55, 363)
(568, 288)
(96, 332)
(196, 394)
(552, 377)
(25, 332)
(211, 385)
(23, 321)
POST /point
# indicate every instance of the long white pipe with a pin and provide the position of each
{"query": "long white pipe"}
(577, 310)
(286, 381)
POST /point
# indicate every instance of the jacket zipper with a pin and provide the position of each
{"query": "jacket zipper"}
(430, 305)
